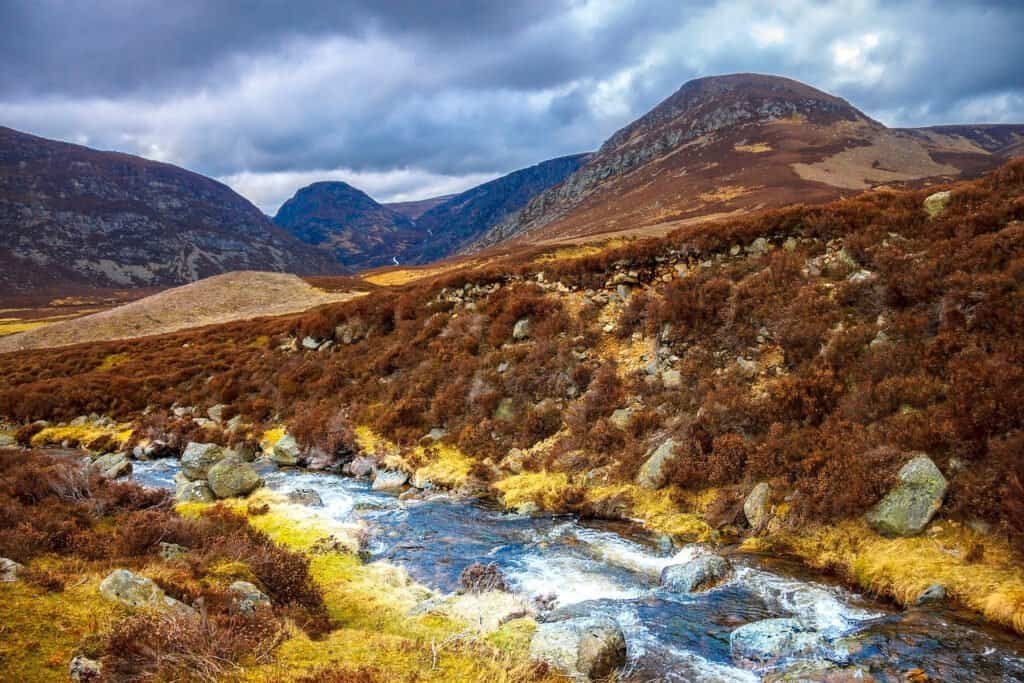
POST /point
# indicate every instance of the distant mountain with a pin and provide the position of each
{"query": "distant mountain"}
(353, 229)
(357, 232)
(76, 218)
(729, 144)
(417, 208)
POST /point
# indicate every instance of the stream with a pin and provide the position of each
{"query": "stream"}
(612, 569)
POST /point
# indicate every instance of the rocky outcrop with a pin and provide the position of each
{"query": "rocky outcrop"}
(756, 505)
(587, 648)
(935, 204)
(133, 590)
(911, 504)
(700, 573)
(286, 451)
(247, 598)
(654, 472)
(198, 458)
(113, 465)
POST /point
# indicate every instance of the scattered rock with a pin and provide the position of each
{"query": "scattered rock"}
(932, 594)
(672, 379)
(360, 466)
(154, 450)
(755, 506)
(84, 670)
(789, 244)
(506, 410)
(216, 413)
(521, 330)
(311, 343)
(113, 465)
(911, 504)
(481, 578)
(171, 551)
(528, 508)
(700, 573)
(389, 480)
(134, 590)
(8, 441)
(587, 648)
(307, 497)
(763, 643)
(350, 332)
(621, 418)
(935, 204)
(436, 434)
(195, 492)
(230, 478)
(747, 367)
(513, 460)
(654, 472)
(758, 247)
(182, 411)
(286, 451)
(9, 570)
(198, 458)
(247, 597)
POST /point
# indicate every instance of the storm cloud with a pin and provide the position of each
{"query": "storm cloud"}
(408, 99)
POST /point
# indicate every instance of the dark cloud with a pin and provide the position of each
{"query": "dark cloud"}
(400, 94)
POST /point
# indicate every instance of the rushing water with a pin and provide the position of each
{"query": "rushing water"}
(613, 569)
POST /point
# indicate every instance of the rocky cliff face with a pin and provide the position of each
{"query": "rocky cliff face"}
(354, 230)
(732, 143)
(73, 217)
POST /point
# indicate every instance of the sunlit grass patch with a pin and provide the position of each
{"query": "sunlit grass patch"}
(113, 360)
(81, 435)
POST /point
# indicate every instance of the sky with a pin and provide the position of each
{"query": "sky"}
(408, 99)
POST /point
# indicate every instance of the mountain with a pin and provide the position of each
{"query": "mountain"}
(354, 230)
(418, 207)
(734, 143)
(357, 232)
(72, 217)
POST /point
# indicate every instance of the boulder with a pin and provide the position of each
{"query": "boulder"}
(195, 492)
(230, 478)
(911, 504)
(935, 204)
(700, 573)
(756, 505)
(247, 598)
(621, 418)
(198, 458)
(654, 472)
(766, 642)
(286, 451)
(932, 594)
(216, 412)
(9, 570)
(113, 465)
(389, 480)
(154, 450)
(84, 670)
(361, 466)
(311, 343)
(521, 330)
(586, 648)
(134, 590)
(307, 497)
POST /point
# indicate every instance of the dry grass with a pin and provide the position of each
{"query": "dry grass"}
(753, 148)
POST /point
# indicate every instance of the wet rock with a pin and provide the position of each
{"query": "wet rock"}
(935, 204)
(286, 451)
(194, 492)
(756, 505)
(587, 648)
(766, 642)
(171, 551)
(932, 594)
(154, 450)
(135, 590)
(700, 573)
(481, 578)
(389, 480)
(84, 670)
(198, 458)
(521, 330)
(307, 497)
(10, 570)
(113, 465)
(247, 598)
(230, 478)
(911, 504)
(360, 466)
(654, 472)
(821, 672)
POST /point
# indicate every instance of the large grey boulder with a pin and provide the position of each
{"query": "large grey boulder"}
(769, 641)
(286, 451)
(584, 649)
(194, 492)
(113, 465)
(10, 570)
(755, 506)
(198, 458)
(911, 504)
(654, 472)
(247, 597)
(935, 204)
(133, 590)
(700, 573)
(389, 480)
(230, 478)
